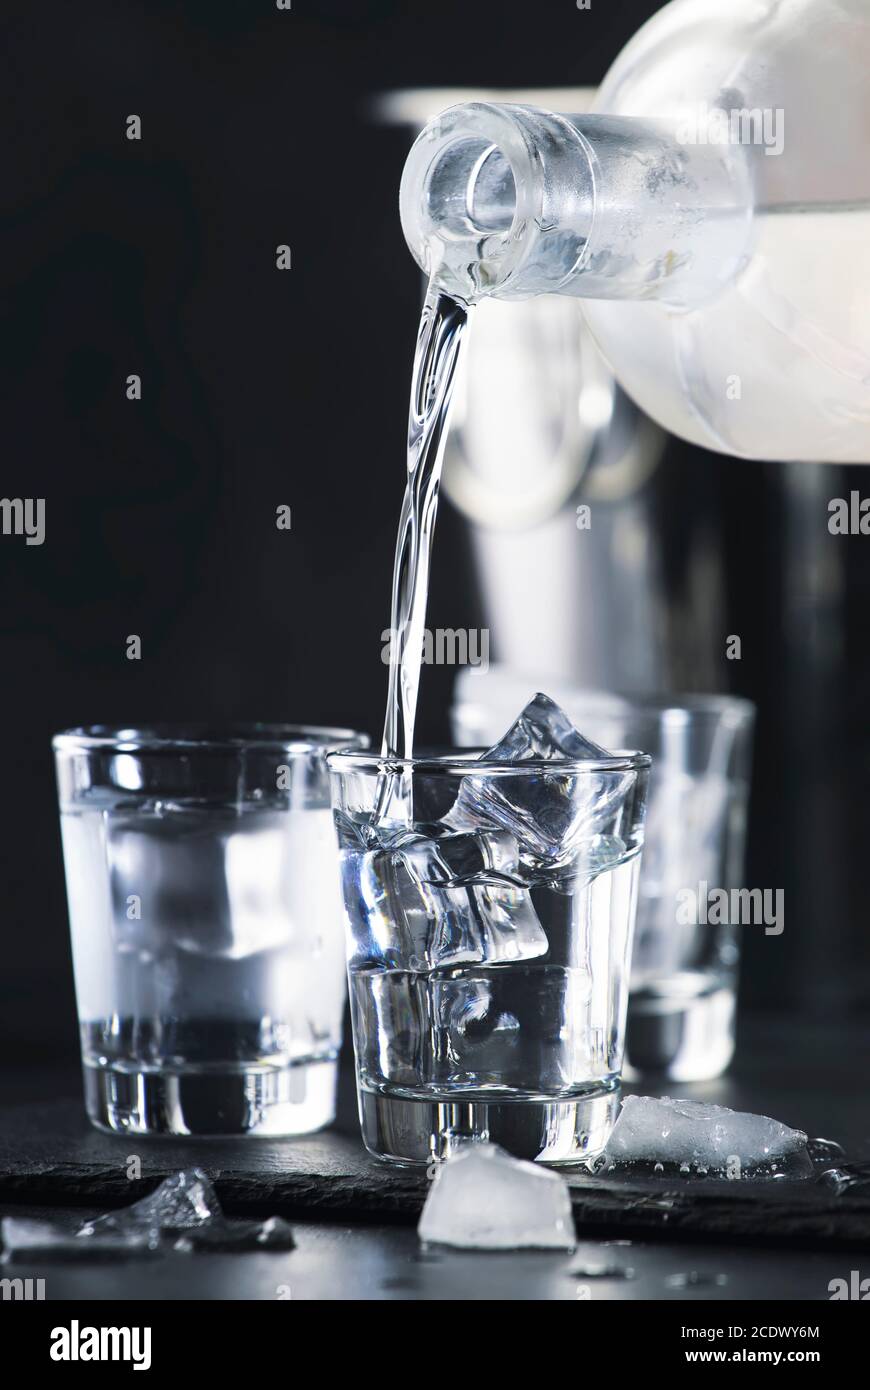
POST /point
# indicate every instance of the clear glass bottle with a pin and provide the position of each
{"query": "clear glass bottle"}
(713, 215)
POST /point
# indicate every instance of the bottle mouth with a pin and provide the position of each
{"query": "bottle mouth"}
(471, 189)
(467, 198)
(512, 201)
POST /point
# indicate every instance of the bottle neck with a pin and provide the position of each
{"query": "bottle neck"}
(513, 201)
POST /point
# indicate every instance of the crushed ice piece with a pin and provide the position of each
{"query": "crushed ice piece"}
(691, 1135)
(274, 1234)
(552, 813)
(184, 1200)
(483, 1199)
(24, 1240)
(183, 1213)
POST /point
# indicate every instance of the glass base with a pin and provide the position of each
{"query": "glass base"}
(675, 1038)
(419, 1131)
(268, 1101)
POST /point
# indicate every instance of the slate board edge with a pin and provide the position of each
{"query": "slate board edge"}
(372, 1196)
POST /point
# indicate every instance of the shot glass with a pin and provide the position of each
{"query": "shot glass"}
(206, 922)
(681, 1012)
(489, 910)
(683, 1002)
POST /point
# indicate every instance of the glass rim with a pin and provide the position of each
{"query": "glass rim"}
(678, 704)
(206, 737)
(650, 705)
(456, 764)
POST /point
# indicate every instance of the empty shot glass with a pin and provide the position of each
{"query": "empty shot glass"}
(206, 922)
(489, 916)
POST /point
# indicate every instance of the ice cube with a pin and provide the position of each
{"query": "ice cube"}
(550, 813)
(206, 882)
(355, 832)
(430, 903)
(482, 1199)
(543, 730)
(482, 857)
(475, 1039)
(592, 856)
(700, 1136)
(508, 928)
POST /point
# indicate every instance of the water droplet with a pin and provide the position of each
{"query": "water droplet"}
(840, 1180)
(825, 1151)
(601, 1271)
(695, 1279)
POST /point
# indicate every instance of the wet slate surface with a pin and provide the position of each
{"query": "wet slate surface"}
(349, 1261)
(49, 1154)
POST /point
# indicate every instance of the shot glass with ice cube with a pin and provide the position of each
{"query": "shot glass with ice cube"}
(206, 922)
(489, 922)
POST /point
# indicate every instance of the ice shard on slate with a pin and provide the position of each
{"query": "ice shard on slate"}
(697, 1136)
(483, 1199)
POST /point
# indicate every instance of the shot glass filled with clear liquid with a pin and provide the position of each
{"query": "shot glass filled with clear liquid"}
(489, 917)
(206, 922)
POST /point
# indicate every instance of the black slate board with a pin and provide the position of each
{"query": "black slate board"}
(50, 1154)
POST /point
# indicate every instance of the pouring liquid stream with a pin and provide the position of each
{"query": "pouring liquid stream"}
(443, 325)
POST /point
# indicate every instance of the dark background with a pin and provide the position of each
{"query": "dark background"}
(264, 388)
